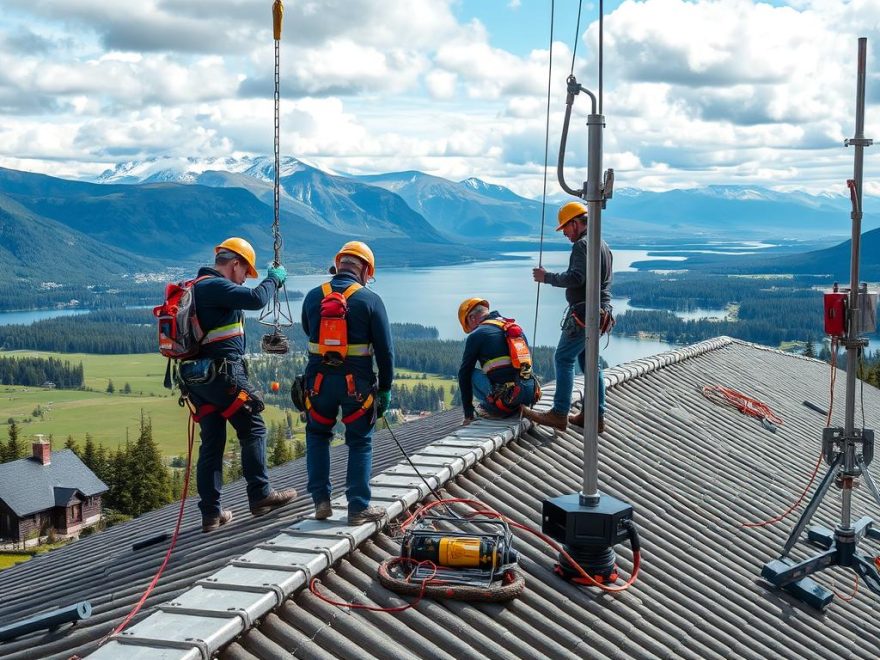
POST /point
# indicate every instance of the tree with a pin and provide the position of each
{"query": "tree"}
(110, 388)
(234, 470)
(89, 455)
(126, 389)
(14, 448)
(149, 480)
(809, 351)
(281, 452)
(70, 443)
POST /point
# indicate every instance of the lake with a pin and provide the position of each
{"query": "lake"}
(430, 296)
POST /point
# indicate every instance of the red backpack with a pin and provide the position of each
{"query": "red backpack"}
(180, 334)
(518, 350)
(333, 330)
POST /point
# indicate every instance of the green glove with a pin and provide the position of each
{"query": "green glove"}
(383, 400)
(278, 273)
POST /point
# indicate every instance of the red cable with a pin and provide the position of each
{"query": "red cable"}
(391, 610)
(742, 402)
(800, 499)
(140, 603)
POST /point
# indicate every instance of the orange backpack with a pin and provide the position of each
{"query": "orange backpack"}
(333, 330)
(517, 348)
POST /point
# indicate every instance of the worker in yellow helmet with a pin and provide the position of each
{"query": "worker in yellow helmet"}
(573, 223)
(504, 380)
(348, 328)
(216, 380)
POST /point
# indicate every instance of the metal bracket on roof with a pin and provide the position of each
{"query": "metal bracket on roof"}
(280, 596)
(231, 613)
(129, 639)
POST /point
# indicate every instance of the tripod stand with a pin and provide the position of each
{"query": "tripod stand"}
(839, 445)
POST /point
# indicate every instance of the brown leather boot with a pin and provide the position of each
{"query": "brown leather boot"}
(210, 524)
(550, 418)
(578, 420)
(272, 501)
(323, 510)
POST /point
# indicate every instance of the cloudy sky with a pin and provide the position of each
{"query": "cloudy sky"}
(696, 92)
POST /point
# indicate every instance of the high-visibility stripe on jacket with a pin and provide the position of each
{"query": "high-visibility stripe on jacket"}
(353, 349)
(224, 332)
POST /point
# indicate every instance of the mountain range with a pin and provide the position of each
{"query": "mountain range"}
(168, 212)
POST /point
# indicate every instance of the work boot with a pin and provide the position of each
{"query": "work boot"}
(370, 514)
(210, 524)
(578, 420)
(272, 501)
(323, 510)
(484, 413)
(549, 418)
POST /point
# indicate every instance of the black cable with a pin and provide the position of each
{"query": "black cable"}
(577, 35)
(409, 460)
(546, 158)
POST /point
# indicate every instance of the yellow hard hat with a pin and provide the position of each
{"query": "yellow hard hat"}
(569, 212)
(360, 250)
(467, 307)
(243, 249)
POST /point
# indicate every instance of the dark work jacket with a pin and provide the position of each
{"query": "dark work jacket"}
(367, 323)
(219, 302)
(575, 278)
(484, 343)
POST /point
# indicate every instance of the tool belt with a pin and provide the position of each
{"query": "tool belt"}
(202, 372)
(575, 317)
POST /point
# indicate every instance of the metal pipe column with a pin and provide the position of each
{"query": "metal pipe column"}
(593, 195)
(852, 346)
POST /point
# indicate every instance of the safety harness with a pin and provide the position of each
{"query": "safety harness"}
(333, 347)
(503, 395)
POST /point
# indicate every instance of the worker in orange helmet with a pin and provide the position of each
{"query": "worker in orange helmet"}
(504, 380)
(216, 381)
(573, 223)
(348, 329)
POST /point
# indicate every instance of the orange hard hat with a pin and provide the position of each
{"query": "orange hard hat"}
(362, 251)
(243, 249)
(569, 212)
(467, 307)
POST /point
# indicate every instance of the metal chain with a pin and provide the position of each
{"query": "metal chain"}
(276, 226)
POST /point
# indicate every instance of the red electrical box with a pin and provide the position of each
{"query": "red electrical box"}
(835, 314)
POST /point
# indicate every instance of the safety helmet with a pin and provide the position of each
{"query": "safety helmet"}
(362, 251)
(467, 307)
(243, 249)
(569, 212)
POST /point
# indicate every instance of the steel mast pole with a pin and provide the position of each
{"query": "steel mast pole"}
(853, 344)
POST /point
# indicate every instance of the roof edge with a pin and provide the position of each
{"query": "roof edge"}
(623, 373)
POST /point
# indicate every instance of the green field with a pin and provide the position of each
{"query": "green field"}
(109, 417)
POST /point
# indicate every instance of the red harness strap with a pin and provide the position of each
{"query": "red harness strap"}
(360, 412)
(209, 408)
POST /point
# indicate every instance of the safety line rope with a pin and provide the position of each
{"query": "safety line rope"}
(137, 608)
(577, 34)
(546, 159)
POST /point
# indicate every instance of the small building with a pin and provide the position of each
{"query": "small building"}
(48, 492)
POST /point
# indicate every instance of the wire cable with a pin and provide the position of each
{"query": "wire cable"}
(577, 35)
(546, 161)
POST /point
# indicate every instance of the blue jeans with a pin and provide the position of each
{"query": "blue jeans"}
(482, 386)
(251, 431)
(572, 347)
(332, 396)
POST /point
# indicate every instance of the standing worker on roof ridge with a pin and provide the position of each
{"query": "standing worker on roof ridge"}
(347, 326)
(504, 380)
(573, 223)
(217, 383)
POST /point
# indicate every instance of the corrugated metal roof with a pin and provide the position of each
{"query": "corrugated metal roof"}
(104, 570)
(693, 471)
(28, 486)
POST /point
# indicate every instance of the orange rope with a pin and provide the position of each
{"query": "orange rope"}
(742, 402)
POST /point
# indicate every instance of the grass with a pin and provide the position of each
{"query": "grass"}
(110, 418)
(9, 560)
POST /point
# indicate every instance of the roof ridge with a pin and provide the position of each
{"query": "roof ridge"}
(770, 349)
(623, 373)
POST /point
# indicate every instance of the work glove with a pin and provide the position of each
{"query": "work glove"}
(278, 273)
(383, 400)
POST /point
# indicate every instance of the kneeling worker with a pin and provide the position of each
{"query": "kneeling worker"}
(347, 327)
(505, 380)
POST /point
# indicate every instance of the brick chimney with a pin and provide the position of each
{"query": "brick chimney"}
(42, 450)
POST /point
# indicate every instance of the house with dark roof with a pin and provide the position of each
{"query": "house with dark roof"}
(48, 491)
(694, 471)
